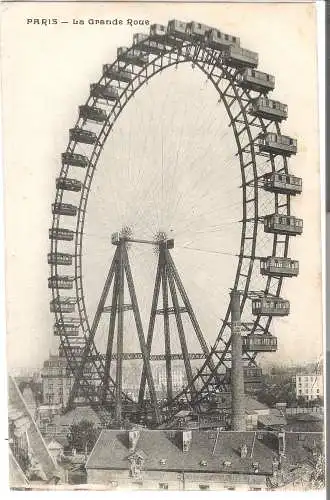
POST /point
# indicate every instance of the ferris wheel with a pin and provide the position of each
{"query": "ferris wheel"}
(96, 328)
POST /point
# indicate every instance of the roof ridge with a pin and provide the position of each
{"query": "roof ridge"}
(96, 442)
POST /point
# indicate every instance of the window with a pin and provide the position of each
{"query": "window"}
(163, 486)
(204, 486)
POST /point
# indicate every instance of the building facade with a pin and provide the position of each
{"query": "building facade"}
(179, 460)
(56, 381)
(308, 386)
(178, 378)
(203, 460)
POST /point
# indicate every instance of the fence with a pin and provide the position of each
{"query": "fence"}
(298, 410)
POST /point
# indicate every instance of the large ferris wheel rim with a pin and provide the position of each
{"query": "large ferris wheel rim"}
(200, 63)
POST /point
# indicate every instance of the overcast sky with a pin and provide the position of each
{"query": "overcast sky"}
(46, 75)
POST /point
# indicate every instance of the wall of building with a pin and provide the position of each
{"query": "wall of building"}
(158, 480)
(309, 386)
(56, 384)
(121, 479)
(222, 481)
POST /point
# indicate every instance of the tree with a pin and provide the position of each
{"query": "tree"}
(317, 478)
(83, 435)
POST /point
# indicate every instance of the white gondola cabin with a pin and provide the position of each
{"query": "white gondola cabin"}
(64, 304)
(269, 109)
(116, 73)
(279, 266)
(63, 259)
(270, 306)
(65, 282)
(283, 224)
(177, 28)
(259, 343)
(256, 80)
(68, 184)
(92, 113)
(278, 182)
(277, 144)
(61, 234)
(74, 159)
(139, 37)
(158, 31)
(68, 328)
(237, 57)
(106, 92)
(147, 45)
(132, 56)
(64, 209)
(77, 347)
(253, 379)
(252, 375)
(217, 40)
(84, 136)
(198, 31)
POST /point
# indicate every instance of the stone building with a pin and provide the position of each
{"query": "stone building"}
(308, 386)
(180, 460)
(30, 460)
(204, 460)
(56, 381)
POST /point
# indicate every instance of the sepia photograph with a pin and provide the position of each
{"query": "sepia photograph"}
(162, 204)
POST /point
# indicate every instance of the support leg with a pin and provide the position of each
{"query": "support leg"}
(167, 338)
(97, 317)
(120, 334)
(182, 338)
(150, 330)
(143, 345)
(111, 335)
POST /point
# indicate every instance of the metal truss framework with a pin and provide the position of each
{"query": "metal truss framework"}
(211, 378)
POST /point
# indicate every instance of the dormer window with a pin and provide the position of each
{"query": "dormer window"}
(162, 461)
(203, 463)
(255, 466)
(226, 463)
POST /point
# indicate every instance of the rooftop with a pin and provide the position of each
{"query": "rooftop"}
(19, 415)
(77, 415)
(252, 404)
(209, 451)
(17, 478)
(275, 418)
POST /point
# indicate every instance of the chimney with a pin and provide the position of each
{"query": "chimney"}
(186, 440)
(237, 377)
(133, 437)
(244, 451)
(281, 443)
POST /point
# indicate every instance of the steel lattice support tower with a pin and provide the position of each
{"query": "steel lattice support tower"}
(120, 271)
(168, 284)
